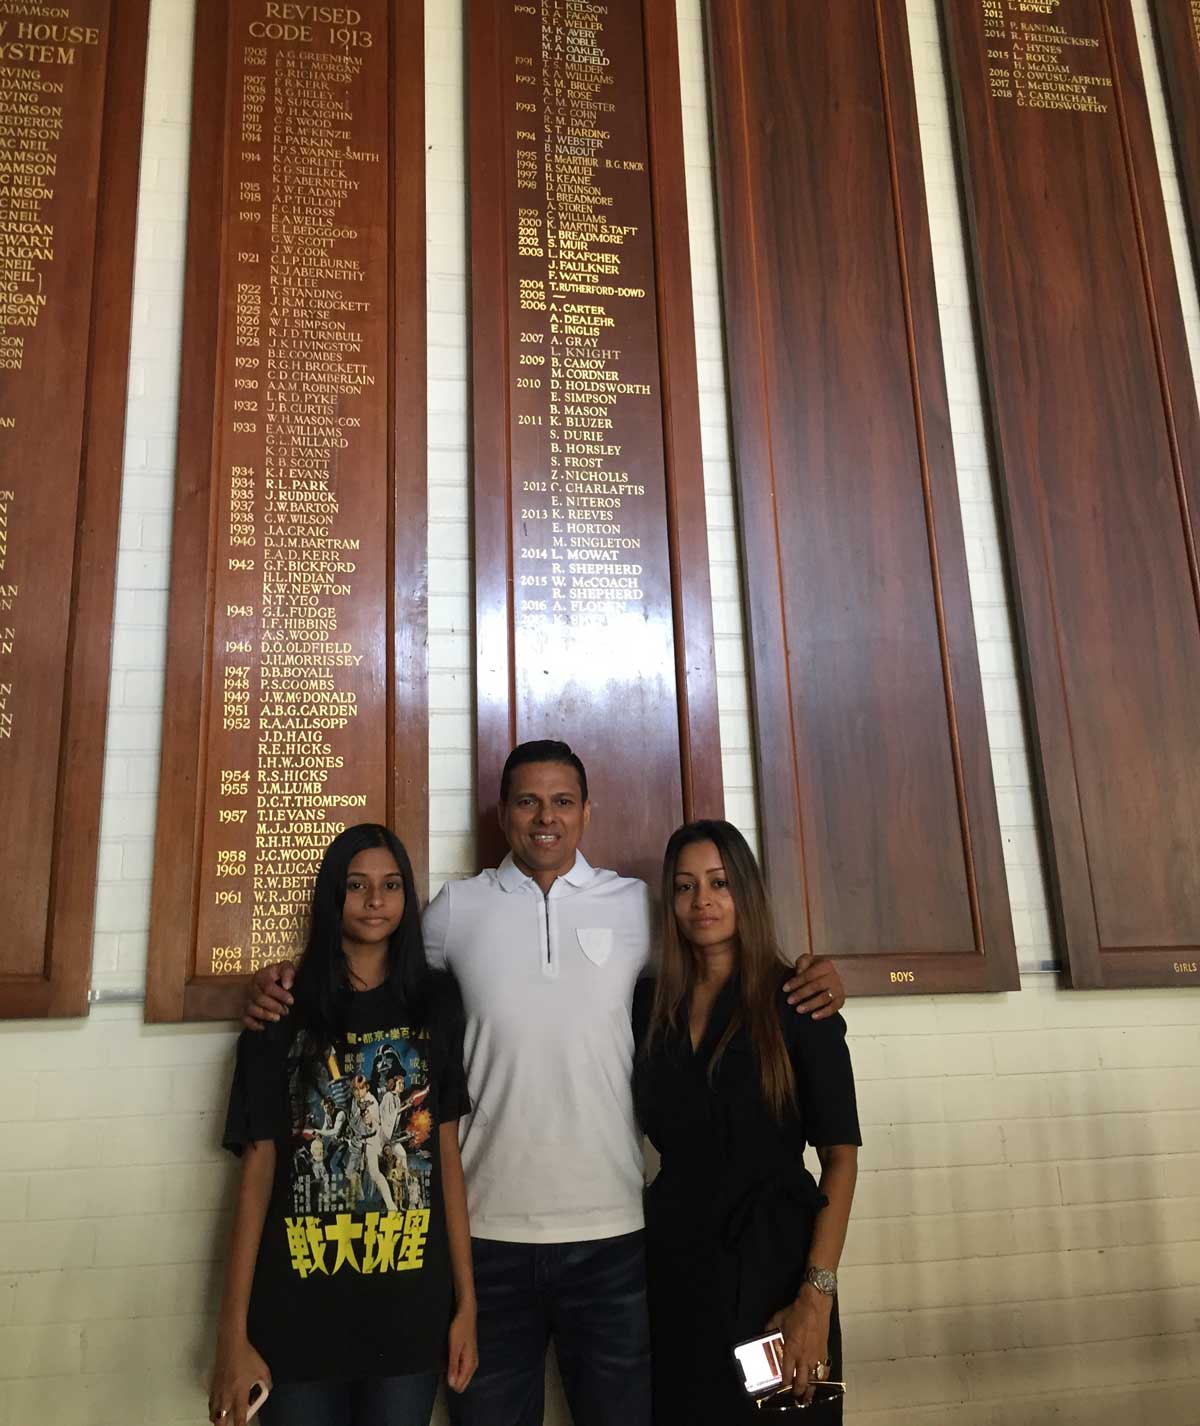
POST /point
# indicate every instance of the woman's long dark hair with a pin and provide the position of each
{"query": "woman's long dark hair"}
(322, 987)
(756, 975)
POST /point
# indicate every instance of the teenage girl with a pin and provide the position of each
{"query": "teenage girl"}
(345, 1301)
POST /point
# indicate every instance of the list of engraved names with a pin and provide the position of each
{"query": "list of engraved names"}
(297, 723)
(590, 554)
(1036, 62)
(51, 60)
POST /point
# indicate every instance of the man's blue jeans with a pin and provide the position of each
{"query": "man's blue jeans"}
(590, 1298)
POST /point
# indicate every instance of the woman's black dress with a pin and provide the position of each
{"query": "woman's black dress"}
(730, 1216)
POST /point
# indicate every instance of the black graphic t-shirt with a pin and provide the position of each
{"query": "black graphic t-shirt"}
(353, 1274)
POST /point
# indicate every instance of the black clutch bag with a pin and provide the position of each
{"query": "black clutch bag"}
(760, 1364)
(782, 1399)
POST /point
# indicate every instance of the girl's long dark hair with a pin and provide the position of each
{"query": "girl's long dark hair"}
(757, 974)
(322, 988)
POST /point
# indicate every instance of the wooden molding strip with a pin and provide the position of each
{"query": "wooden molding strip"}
(1178, 26)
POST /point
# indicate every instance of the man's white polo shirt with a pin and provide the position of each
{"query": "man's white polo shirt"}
(551, 1149)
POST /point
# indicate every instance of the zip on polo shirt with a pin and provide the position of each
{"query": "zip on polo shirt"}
(549, 959)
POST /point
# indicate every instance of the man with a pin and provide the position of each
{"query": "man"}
(391, 1114)
(391, 1104)
(366, 1144)
(333, 1132)
(547, 950)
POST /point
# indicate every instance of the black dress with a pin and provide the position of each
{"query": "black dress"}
(730, 1217)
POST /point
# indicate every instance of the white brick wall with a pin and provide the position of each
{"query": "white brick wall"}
(1028, 1219)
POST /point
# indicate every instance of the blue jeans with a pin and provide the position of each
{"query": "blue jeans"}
(591, 1299)
(374, 1401)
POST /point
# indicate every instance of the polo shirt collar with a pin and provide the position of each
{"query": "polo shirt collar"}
(512, 878)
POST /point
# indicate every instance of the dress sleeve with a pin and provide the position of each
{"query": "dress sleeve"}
(824, 1079)
(448, 1027)
(258, 1099)
(643, 1004)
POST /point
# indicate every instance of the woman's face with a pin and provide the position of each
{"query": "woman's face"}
(704, 908)
(374, 898)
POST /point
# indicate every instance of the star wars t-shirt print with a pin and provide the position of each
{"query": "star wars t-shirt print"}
(355, 1233)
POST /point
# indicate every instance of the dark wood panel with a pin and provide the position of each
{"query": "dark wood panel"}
(296, 668)
(1097, 439)
(879, 823)
(1178, 25)
(593, 616)
(70, 135)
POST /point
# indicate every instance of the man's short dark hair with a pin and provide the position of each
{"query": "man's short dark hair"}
(541, 750)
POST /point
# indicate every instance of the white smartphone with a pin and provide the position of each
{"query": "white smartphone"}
(258, 1394)
(761, 1362)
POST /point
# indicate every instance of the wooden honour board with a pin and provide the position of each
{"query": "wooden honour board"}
(1178, 23)
(879, 822)
(1097, 441)
(71, 88)
(593, 617)
(296, 672)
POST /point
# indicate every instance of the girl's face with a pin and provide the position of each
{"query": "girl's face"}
(704, 909)
(374, 898)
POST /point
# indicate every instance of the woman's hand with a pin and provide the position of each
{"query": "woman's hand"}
(805, 1328)
(237, 1368)
(464, 1350)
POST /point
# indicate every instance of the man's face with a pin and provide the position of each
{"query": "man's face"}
(544, 818)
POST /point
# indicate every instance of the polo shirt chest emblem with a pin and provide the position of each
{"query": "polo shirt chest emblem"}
(596, 942)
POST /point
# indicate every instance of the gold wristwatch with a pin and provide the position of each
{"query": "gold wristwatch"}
(823, 1280)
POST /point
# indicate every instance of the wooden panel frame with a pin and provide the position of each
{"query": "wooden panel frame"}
(173, 991)
(695, 673)
(1157, 393)
(763, 342)
(62, 990)
(1177, 23)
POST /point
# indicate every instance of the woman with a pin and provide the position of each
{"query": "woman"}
(730, 1085)
(344, 1301)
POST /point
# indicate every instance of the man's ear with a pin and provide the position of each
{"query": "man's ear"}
(587, 811)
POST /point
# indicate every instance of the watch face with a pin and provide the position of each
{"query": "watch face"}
(823, 1280)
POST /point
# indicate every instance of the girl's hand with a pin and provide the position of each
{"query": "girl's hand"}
(805, 1328)
(464, 1350)
(237, 1368)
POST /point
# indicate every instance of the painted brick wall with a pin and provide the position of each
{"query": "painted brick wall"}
(1026, 1241)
